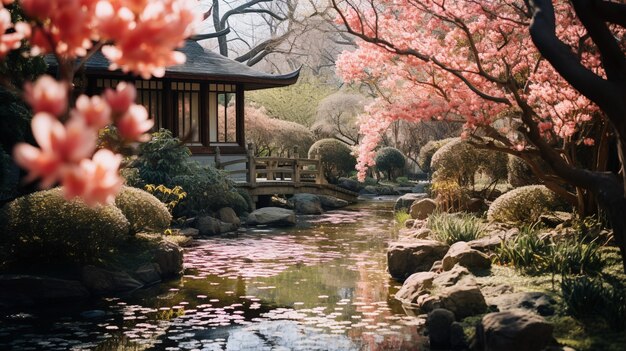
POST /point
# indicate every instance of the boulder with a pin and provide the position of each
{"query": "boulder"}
(331, 202)
(273, 216)
(438, 323)
(461, 253)
(169, 257)
(493, 240)
(306, 204)
(228, 215)
(409, 223)
(190, 232)
(455, 290)
(25, 290)
(208, 225)
(421, 209)
(556, 218)
(404, 202)
(349, 184)
(407, 257)
(148, 273)
(513, 331)
(536, 302)
(101, 281)
(228, 227)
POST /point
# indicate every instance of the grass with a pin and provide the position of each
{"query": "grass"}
(401, 217)
(452, 228)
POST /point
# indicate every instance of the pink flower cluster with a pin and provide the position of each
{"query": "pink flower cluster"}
(12, 40)
(65, 150)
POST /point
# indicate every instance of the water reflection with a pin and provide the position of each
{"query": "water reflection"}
(321, 286)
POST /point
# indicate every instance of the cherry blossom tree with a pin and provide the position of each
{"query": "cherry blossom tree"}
(137, 36)
(476, 62)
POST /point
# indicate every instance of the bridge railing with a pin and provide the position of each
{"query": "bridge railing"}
(288, 169)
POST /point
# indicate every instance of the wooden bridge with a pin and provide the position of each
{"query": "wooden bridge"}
(266, 176)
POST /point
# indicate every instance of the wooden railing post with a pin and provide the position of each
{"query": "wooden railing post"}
(295, 176)
(296, 154)
(218, 158)
(318, 167)
(251, 177)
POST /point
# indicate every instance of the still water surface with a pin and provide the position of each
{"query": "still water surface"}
(319, 286)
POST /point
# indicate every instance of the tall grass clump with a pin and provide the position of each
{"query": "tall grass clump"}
(401, 217)
(588, 298)
(452, 228)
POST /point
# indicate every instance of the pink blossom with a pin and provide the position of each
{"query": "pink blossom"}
(11, 41)
(40, 9)
(589, 141)
(134, 123)
(59, 146)
(95, 111)
(121, 98)
(96, 181)
(46, 95)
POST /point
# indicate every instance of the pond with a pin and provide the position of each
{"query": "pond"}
(322, 285)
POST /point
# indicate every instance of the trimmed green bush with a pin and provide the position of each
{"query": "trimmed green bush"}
(452, 228)
(519, 173)
(427, 151)
(460, 161)
(44, 227)
(523, 205)
(390, 160)
(143, 210)
(336, 156)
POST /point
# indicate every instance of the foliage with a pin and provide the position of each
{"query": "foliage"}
(590, 297)
(169, 197)
(519, 173)
(451, 228)
(390, 160)
(336, 116)
(403, 181)
(450, 195)
(273, 136)
(144, 211)
(534, 255)
(165, 160)
(427, 151)
(458, 160)
(336, 157)
(523, 205)
(295, 103)
(44, 227)
(401, 217)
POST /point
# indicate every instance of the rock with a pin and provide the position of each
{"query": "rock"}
(421, 209)
(148, 273)
(227, 227)
(404, 202)
(556, 218)
(228, 215)
(493, 240)
(92, 314)
(458, 341)
(409, 223)
(25, 290)
(438, 323)
(420, 187)
(405, 258)
(306, 204)
(208, 225)
(455, 290)
(349, 184)
(475, 205)
(536, 302)
(419, 223)
(190, 232)
(169, 257)
(436, 267)
(331, 202)
(274, 216)
(512, 331)
(467, 257)
(101, 281)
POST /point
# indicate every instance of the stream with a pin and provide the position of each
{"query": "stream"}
(321, 285)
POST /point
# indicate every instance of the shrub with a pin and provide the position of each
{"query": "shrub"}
(427, 152)
(451, 228)
(44, 227)
(460, 161)
(525, 252)
(165, 160)
(401, 217)
(519, 172)
(523, 205)
(169, 197)
(403, 181)
(390, 160)
(143, 210)
(336, 157)
(587, 297)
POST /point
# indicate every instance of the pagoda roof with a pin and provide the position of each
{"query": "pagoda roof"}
(201, 65)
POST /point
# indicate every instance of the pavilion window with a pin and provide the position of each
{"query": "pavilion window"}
(186, 100)
(149, 94)
(222, 114)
